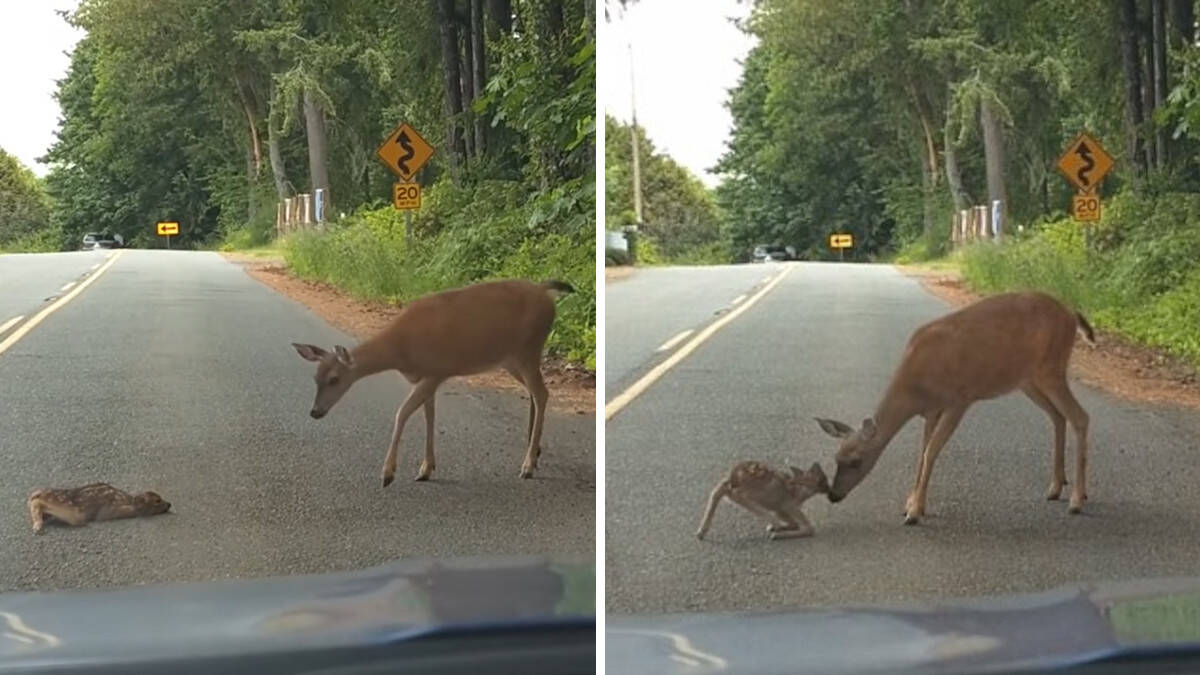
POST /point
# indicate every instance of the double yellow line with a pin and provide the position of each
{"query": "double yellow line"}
(29, 325)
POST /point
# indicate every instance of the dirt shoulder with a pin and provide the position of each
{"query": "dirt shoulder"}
(572, 389)
(1130, 371)
(617, 272)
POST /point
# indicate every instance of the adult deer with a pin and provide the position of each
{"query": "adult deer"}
(987, 349)
(499, 324)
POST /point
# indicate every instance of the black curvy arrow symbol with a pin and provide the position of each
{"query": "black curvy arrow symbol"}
(406, 144)
(1086, 153)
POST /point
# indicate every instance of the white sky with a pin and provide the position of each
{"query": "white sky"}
(34, 42)
(686, 56)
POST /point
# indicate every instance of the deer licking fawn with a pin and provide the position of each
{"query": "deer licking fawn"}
(774, 495)
(992, 347)
(458, 332)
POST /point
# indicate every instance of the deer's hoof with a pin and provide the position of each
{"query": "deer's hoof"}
(387, 480)
(700, 536)
(911, 519)
(421, 477)
(1075, 507)
(526, 473)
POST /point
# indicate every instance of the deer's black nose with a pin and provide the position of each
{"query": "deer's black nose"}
(835, 498)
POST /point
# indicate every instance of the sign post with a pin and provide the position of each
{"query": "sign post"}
(166, 228)
(841, 242)
(404, 152)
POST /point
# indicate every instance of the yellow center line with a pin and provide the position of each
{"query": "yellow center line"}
(637, 388)
(55, 306)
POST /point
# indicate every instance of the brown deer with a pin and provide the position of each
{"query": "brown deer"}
(464, 331)
(990, 348)
(774, 495)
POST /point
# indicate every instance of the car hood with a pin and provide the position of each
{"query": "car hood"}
(402, 601)
(1082, 624)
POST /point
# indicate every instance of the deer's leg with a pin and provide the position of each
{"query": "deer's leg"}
(803, 528)
(1058, 476)
(931, 420)
(1059, 392)
(37, 515)
(947, 423)
(721, 490)
(421, 391)
(532, 409)
(538, 396)
(428, 464)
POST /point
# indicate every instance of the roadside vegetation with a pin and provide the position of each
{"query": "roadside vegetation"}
(210, 112)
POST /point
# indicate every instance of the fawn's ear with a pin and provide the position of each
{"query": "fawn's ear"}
(834, 428)
(310, 352)
(343, 355)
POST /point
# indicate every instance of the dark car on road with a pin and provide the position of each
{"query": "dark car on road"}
(95, 240)
(764, 253)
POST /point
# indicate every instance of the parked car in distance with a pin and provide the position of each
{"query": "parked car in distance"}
(95, 240)
(765, 253)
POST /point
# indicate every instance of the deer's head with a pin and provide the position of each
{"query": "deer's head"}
(335, 374)
(855, 457)
(811, 482)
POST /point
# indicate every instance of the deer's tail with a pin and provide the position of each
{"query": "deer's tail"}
(558, 288)
(1085, 328)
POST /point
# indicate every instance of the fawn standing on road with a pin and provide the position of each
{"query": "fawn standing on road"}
(774, 495)
(987, 349)
(499, 324)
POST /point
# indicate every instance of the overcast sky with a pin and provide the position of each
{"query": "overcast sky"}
(686, 55)
(33, 40)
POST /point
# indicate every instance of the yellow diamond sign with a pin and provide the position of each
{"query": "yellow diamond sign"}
(1085, 163)
(405, 152)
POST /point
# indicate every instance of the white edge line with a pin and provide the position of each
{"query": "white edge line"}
(94, 267)
(10, 323)
(738, 299)
(626, 397)
(675, 340)
(41, 316)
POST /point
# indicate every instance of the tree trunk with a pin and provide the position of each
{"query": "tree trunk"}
(453, 105)
(993, 152)
(1158, 10)
(467, 77)
(479, 63)
(1183, 22)
(318, 148)
(252, 122)
(554, 17)
(1146, 56)
(251, 183)
(953, 173)
(500, 18)
(1131, 63)
(277, 169)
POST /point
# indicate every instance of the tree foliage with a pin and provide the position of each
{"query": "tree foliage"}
(24, 208)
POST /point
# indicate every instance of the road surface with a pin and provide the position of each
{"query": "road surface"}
(172, 371)
(824, 341)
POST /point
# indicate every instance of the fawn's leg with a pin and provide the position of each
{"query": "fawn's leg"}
(803, 527)
(37, 515)
(721, 490)
(778, 521)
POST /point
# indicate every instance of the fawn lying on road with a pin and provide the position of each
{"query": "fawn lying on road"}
(94, 501)
(774, 495)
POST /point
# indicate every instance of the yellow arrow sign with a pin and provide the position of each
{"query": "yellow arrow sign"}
(841, 241)
(405, 152)
(167, 228)
(1085, 163)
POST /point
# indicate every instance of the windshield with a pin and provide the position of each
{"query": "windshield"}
(289, 179)
(978, 379)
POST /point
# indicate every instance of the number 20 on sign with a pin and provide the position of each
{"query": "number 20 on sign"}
(1086, 206)
(406, 196)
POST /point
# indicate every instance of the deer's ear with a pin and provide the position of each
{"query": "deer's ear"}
(343, 355)
(868, 429)
(310, 352)
(834, 428)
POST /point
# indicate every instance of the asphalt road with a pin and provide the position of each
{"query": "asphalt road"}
(173, 372)
(824, 342)
(28, 280)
